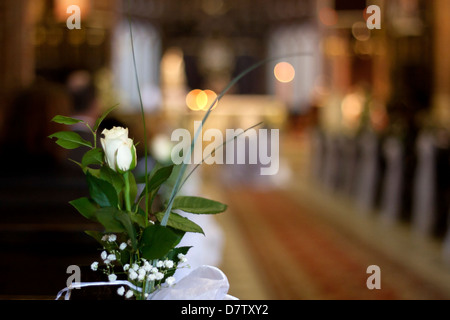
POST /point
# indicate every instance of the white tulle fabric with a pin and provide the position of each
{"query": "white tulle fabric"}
(203, 283)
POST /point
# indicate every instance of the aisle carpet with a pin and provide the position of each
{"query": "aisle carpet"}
(302, 256)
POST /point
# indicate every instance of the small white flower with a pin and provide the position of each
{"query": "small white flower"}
(132, 274)
(112, 257)
(105, 237)
(168, 264)
(159, 276)
(154, 270)
(129, 294)
(123, 246)
(121, 291)
(135, 267)
(112, 277)
(129, 242)
(104, 255)
(112, 238)
(126, 267)
(147, 266)
(94, 266)
(151, 277)
(107, 261)
(160, 264)
(141, 272)
(182, 258)
(170, 281)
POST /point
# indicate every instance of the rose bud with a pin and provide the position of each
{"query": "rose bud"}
(120, 152)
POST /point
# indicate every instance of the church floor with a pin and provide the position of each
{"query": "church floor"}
(294, 241)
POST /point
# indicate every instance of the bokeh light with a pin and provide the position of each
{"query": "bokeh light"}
(201, 99)
(284, 72)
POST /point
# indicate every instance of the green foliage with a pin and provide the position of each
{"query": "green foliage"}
(86, 207)
(102, 192)
(180, 223)
(70, 140)
(114, 203)
(157, 241)
(198, 205)
(93, 157)
(66, 120)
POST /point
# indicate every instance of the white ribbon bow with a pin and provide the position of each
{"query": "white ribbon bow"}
(203, 283)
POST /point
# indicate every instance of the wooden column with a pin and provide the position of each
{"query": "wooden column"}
(442, 62)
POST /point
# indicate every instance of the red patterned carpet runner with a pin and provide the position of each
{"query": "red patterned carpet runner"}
(302, 256)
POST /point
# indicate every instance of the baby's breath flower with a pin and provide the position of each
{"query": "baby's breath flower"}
(168, 264)
(141, 274)
(112, 238)
(129, 294)
(105, 237)
(94, 266)
(159, 276)
(112, 257)
(121, 291)
(132, 274)
(104, 255)
(151, 277)
(107, 261)
(154, 270)
(123, 246)
(160, 264)
(126, 267)
(147, 266)
(182, 258)
(170, 281)
(112, 277)
(135, 267)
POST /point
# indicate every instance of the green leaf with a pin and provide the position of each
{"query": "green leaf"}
(103, 116)
(198, 205)
(157, 241)
(137, 218)
(158, 176)
(108, 218)
(180, 223)
(93, 156)
(97, 235)
(66, 120)
(126, 222)
(93, 172)
(133, 187)
(113, 177)
(86, 207)
(70, 140)
(101, 191)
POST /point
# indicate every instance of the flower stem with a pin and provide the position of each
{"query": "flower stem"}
(127, 191)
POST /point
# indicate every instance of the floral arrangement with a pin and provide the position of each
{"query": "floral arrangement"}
(138, 242)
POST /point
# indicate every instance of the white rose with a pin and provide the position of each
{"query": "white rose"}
(120, 152)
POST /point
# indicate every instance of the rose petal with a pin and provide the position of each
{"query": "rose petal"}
(124, 157)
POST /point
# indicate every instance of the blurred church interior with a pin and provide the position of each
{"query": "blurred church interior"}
(363, 116)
